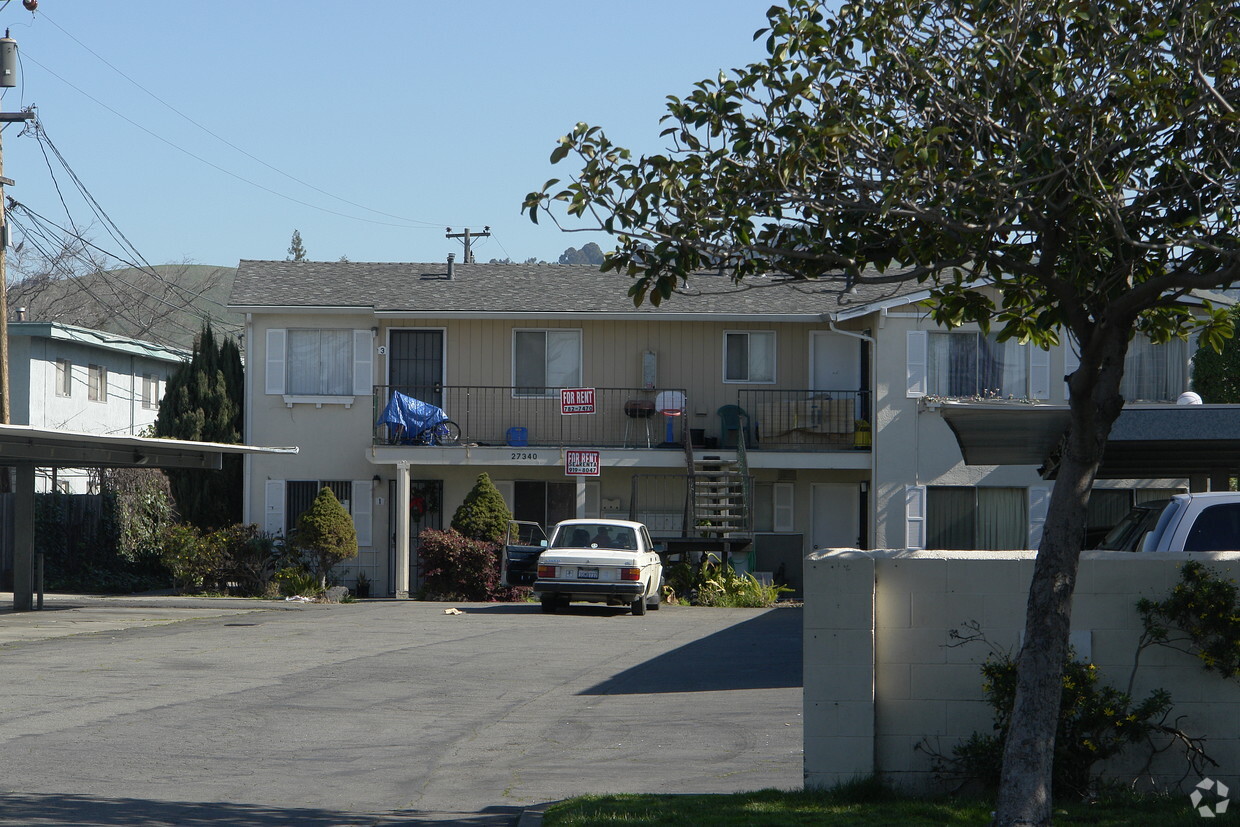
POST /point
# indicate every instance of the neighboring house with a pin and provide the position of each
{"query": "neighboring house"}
(820, 398)
(74, 379)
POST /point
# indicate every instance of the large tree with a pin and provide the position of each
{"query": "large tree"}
(203, 402)
(1043, 165)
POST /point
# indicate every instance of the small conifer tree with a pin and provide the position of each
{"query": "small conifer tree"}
(325, 533)
(483, 515)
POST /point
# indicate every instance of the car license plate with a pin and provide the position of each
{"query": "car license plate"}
(587, 574)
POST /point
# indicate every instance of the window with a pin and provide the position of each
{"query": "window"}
(962, 518)
(97, 383)
(543, 361)
(1154, 373)
(299, 496)
(749, 356)
(64, 377)
(320, 362)
(970, 364)
(150, 391)
(545, 503)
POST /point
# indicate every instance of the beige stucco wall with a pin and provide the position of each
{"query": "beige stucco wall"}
(882, 673)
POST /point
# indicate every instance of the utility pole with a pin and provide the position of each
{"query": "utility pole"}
(467, 236)
(8, 79)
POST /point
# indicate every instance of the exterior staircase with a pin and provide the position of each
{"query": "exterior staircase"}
(721, 496)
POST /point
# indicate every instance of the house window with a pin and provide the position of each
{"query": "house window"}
(64, 377)
(543, 361)
(971, 364)
(1154, 373)
(963, 517)
(545, 503)
(97, 383)
(320, 362)
(150, 391)
(299, 496)
(749, 356)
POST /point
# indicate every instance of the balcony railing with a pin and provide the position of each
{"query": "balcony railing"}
(805, 420)
(622, 417)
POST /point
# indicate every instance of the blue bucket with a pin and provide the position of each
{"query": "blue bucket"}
(518, 437)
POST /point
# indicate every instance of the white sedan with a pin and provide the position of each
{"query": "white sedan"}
(599, 561)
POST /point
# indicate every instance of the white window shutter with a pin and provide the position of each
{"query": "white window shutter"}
(915, 516)
(1039, 372)
(1071, 361)
(363, 362)
(362, 522)
(276, 339)
(273, 518)
(781, 506)
(1039, 504)
(918, 362)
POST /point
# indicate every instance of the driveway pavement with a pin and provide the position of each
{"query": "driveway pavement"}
(167, 711)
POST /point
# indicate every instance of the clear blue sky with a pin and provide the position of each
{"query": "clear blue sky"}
(443, 114)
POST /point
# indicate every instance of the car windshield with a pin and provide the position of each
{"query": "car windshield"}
(595, 535)
(1128, 532)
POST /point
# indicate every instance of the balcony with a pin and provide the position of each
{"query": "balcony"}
(773, 420)
(806, 420)
(621, 418)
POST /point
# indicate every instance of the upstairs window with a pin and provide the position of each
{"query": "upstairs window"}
(97, 383)
(150, 391)
(971, 364)
(64, 377)
(749, 356)
(1154, 373)
(543, 361)
(320, 362)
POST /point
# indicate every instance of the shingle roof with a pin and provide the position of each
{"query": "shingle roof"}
(531, 289)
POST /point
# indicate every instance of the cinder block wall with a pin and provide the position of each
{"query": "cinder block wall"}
(883, 673)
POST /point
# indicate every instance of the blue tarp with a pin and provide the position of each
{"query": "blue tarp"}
(409, 417)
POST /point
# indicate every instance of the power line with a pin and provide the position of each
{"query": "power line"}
(229, 143)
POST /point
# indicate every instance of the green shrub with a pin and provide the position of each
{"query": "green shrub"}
(325, 534)
(1096, 722)
(483, 515)
(295, 581)
(714, 584)
(456, 567)
(1203, 609)
(196, 560)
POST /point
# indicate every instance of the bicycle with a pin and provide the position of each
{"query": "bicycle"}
(444, 432)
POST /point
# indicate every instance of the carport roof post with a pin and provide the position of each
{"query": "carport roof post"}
(28, 448)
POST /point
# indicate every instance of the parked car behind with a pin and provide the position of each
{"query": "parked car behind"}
(599, 561)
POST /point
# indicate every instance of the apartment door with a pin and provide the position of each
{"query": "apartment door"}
(838, 363)
(837, 515)
(416, 363)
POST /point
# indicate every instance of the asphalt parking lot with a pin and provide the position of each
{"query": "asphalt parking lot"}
(166, 711)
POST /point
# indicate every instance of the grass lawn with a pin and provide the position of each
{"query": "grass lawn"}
(860, 804)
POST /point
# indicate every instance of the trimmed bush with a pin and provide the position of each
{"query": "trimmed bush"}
(325, 534)
(483, 515)
(456, 567)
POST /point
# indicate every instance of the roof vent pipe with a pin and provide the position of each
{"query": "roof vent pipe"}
(21, 314)
(451, 259)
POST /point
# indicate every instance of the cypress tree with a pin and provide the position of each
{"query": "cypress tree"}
(203, 402)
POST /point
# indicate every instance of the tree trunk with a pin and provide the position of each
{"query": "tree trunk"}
(1025, 794)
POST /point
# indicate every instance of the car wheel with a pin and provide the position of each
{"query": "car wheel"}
(639, 605)
(654, 602)
(549, 603)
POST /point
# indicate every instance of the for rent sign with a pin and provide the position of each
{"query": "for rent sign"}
(581, 463)
(577, 400)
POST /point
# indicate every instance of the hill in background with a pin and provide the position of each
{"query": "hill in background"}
(165, 304)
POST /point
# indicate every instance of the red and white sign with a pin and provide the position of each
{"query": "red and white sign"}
(576, 400)
(581, 463)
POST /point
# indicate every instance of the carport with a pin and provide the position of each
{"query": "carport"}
(1198, 442)
(26, 448)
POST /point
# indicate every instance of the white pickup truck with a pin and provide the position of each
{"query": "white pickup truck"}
(599, 561)
(1186, 522)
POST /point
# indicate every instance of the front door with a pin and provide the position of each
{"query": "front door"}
(837, 515)
(415, 363)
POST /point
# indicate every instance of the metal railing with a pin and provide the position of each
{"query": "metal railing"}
(497, 415)
(807, 420)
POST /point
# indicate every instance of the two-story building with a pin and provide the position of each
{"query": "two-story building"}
(72, 378)
(793, 415)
